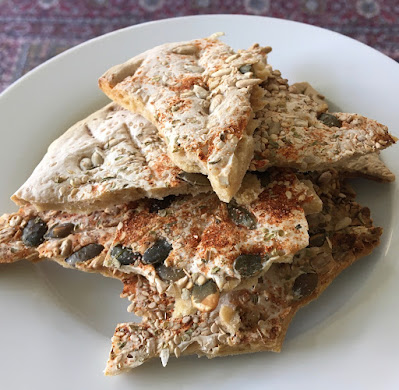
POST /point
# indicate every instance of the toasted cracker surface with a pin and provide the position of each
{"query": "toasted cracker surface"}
(198, 94)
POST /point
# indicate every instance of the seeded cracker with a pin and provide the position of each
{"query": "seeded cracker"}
(192, 266)
(369, 166)
(254, 318)
(296, 131)
(111, 157)
(167, 240)
(202, 236)
(73, 240)
(198, 94)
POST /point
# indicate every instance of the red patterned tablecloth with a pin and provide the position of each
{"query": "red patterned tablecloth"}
(32, 31)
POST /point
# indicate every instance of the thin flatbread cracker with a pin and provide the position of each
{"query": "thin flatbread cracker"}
(295, 131)
(369, 166)
(198, 94)
(111, 157)
(165, 240)
(251, 319)
(78, 241)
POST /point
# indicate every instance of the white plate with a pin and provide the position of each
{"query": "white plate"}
(56, 324)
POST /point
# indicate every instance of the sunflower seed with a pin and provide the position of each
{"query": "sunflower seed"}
(247, 83)
(85, 164)
(61, 231)
(185, 49)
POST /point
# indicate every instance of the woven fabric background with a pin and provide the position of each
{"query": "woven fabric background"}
(31, 31)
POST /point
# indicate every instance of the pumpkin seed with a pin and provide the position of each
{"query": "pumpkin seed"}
(169, 274)
(245, 68)
(241, 216)
(330, 120)
(264, 178)
(85, 253)
(317, 240)
(157, 253)
(305, 284)
(206, 296)
(161, 204)
(248, 265)
(199, 293)
(60, 231)
(34, 231)
(124, 255)
(195, 179)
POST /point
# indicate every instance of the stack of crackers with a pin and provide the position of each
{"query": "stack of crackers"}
(213, 189)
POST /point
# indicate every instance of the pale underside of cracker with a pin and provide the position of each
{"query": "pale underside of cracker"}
(111, 157)
(369, 166)
(198, 94)
(292, 134)
(205, 236)
(253, 319)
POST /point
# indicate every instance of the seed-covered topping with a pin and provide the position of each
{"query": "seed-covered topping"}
(248, 265)
(86, 253)
(34, 231)
(169, 274)
(241, 216)
(330, 120)
(124, 255)
(317, 239)
(304, 285)
(195, 179)
(205, 239)
(161, 204)
(157, 253)
(206, 296)
(60, 231)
